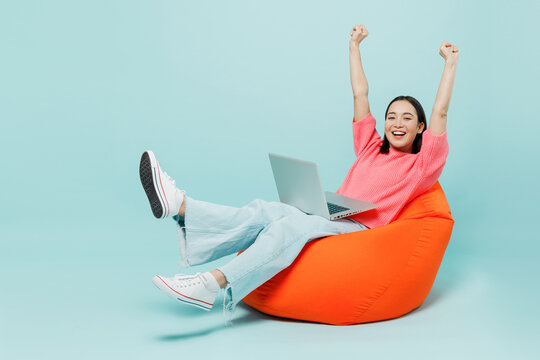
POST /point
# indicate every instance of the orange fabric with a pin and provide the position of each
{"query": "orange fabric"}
(393, 266)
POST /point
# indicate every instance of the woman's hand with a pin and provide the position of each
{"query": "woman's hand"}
(358, 33)
(449, 52)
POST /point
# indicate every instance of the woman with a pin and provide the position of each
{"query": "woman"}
(389, 172)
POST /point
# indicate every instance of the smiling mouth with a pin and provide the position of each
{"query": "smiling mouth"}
(398, 134)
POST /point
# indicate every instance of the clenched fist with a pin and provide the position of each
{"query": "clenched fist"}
(358, 33)
(449, 52)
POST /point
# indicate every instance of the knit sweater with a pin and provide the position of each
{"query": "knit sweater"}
(390, 180)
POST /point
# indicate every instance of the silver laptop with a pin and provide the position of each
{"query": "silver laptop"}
(299, 184)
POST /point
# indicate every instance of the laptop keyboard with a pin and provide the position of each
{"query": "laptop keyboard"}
(333, 208)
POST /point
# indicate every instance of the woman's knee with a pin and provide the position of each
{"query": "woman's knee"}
(285, 235)
(273, 210)
(287, 227)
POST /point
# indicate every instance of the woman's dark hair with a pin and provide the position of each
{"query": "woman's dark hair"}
(417, 143)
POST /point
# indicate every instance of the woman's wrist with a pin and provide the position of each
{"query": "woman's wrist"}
(353, 45)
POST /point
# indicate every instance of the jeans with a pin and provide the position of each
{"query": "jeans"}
(271, 233)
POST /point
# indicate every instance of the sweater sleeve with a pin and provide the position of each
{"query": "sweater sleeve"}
(433, 156)
(364, 132)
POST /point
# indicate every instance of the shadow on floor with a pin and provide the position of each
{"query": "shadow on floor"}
(250, 316)
(447, 281)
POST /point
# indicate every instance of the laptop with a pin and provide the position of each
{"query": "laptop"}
(299, 184)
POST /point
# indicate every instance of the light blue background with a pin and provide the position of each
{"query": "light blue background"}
(212, 87)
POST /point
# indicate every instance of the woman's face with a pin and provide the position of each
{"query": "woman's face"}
(401, 125)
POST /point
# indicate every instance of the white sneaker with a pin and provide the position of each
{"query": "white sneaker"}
(189, 289)
(165, 199)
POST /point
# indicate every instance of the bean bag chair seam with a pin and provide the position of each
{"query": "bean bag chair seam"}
(422, 239)
(385, 287)
(415, 254)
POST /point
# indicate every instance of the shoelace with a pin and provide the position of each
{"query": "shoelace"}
(166, 176)
(191, 280)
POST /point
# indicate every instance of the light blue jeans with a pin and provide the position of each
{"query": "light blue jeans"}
(271, 233)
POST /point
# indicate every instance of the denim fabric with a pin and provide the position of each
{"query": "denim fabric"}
(272, 233)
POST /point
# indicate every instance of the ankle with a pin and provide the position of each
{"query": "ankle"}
(220, 278)
(182, 211)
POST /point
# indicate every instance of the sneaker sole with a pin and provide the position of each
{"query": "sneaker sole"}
(163, 286)
(150, 180)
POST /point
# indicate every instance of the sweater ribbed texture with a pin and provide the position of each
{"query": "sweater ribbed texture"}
(390, 180)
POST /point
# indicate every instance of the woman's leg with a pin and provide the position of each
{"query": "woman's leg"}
(210, 231)
(206, 231)
(275, 248)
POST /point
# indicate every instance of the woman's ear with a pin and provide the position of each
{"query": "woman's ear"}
(421, 127)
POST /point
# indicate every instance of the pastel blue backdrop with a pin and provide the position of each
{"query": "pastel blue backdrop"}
(212, 87)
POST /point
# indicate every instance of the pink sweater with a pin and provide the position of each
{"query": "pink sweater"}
(390, 180)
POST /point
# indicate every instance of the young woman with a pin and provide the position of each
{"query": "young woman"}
(389, 172)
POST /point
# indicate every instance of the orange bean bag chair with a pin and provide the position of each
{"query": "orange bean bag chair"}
(364, 276)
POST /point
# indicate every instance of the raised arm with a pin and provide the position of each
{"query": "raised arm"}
(437, 122)
(358, 78)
